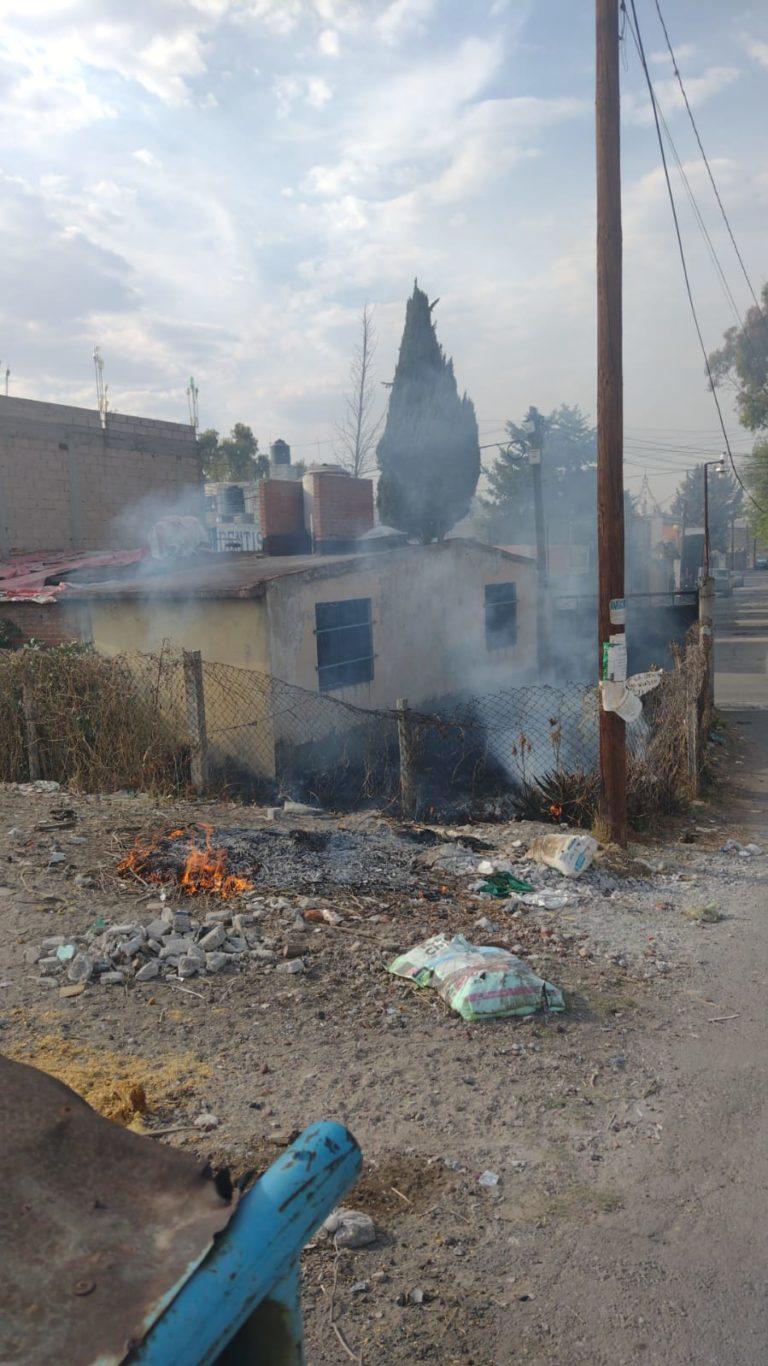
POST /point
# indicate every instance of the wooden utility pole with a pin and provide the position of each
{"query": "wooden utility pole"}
(610, 417)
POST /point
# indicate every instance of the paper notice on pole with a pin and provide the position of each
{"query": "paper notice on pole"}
(617, 659)
(640, 684)
(618, 612)
(616, 697)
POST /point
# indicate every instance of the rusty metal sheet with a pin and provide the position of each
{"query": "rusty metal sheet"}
(98, 1226)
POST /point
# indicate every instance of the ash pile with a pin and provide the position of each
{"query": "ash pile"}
(232, 861)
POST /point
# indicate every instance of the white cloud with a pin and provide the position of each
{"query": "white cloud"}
(757, 49)
(291, 90)
(328, 42)
(402, 18)
(146, 157)
(711, 82)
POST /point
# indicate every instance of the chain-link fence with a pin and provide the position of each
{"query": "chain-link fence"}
(172, 721)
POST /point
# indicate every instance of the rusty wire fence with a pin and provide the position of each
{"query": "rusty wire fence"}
(173, 722)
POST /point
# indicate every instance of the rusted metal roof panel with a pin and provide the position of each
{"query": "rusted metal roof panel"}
(98, 1226)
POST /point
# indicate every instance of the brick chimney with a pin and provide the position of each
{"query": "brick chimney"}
(281, 513)
(338, 509)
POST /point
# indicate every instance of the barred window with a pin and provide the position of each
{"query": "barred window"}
(500, 615)
(344, 632)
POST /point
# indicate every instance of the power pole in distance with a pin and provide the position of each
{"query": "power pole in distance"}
(610, 417)
(534, 426)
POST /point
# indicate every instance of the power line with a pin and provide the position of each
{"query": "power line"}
(676, 70)
(641, 50)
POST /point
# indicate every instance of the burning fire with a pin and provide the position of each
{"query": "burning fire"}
(204, 869)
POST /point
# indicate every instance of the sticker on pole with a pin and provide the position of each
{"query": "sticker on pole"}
(618, 611)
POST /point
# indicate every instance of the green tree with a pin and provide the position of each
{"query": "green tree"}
(725, 502)
(756, 479)
(568, 445)
(236, 457)
(429, 455)
(742, 362)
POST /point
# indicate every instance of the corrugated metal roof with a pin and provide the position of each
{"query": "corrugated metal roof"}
(244, 575)
(24, 578)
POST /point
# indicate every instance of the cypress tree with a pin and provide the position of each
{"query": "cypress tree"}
(429, 455)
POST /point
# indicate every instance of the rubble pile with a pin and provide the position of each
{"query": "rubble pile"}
(172, 945)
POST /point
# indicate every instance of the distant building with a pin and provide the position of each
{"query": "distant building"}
(70, 480)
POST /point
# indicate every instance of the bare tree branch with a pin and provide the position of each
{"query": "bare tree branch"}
(357, 435)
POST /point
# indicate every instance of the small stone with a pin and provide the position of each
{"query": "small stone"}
(416, 1296)
(206, 1120)
(148, 971)
(218, 917)
(272, 812)
(156, 929)
(488, 1180)
(263, 955)
(48, 982)
(53, 941)
(214, 962)
(84, 880)
(124, 931)
(234, 944)
(49, 964)
(360, 1288)
(174, 947)
(350, 1228)
(131, 946)
(112, 979)
(181, 922)
(291, 965)
(213, 939)
(242, 922)
(56, 859)
(74, 989)
(81, 968)
(188, 967)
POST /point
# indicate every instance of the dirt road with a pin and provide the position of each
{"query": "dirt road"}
(678, 1275)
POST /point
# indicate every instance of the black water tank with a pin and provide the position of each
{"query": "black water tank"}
(232, 500)
(280, 452)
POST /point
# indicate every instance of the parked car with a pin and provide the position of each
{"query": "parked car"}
(761, 562)
(723, 583)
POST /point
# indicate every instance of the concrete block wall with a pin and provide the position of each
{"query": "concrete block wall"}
(66, 481)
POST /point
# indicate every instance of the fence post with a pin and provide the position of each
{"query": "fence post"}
(692, 744)
(407, 799)
(706, 616)
(195, 706)
(33, 747)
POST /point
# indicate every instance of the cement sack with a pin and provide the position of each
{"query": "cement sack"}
(478, 982)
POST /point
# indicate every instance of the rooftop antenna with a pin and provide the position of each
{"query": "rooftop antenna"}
(102, 389)
(192, 393)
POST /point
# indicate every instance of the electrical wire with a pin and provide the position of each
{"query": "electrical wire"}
(726, 220)
(635, 28)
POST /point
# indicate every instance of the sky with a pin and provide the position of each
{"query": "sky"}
(216, 187)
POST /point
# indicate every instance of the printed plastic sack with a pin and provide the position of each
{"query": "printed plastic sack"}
(479, 983)
(571, 855)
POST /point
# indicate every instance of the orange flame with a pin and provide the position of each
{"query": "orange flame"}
(205, 869)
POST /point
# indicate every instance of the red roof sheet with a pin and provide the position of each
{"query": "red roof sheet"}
(24, 578)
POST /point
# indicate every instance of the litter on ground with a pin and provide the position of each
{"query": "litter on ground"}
(477, 982)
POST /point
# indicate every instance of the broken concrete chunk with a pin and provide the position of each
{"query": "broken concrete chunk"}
(112, 979)
(350, 1228)
(291, 965)
(156, 929)
(188, 967)
(214, 962)
(81, 968)
(149, 971)
(213, 939)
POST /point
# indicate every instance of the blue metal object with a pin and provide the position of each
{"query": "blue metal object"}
(243, 1299)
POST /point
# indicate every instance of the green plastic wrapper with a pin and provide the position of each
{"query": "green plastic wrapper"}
(478, 982)
(504, 884)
